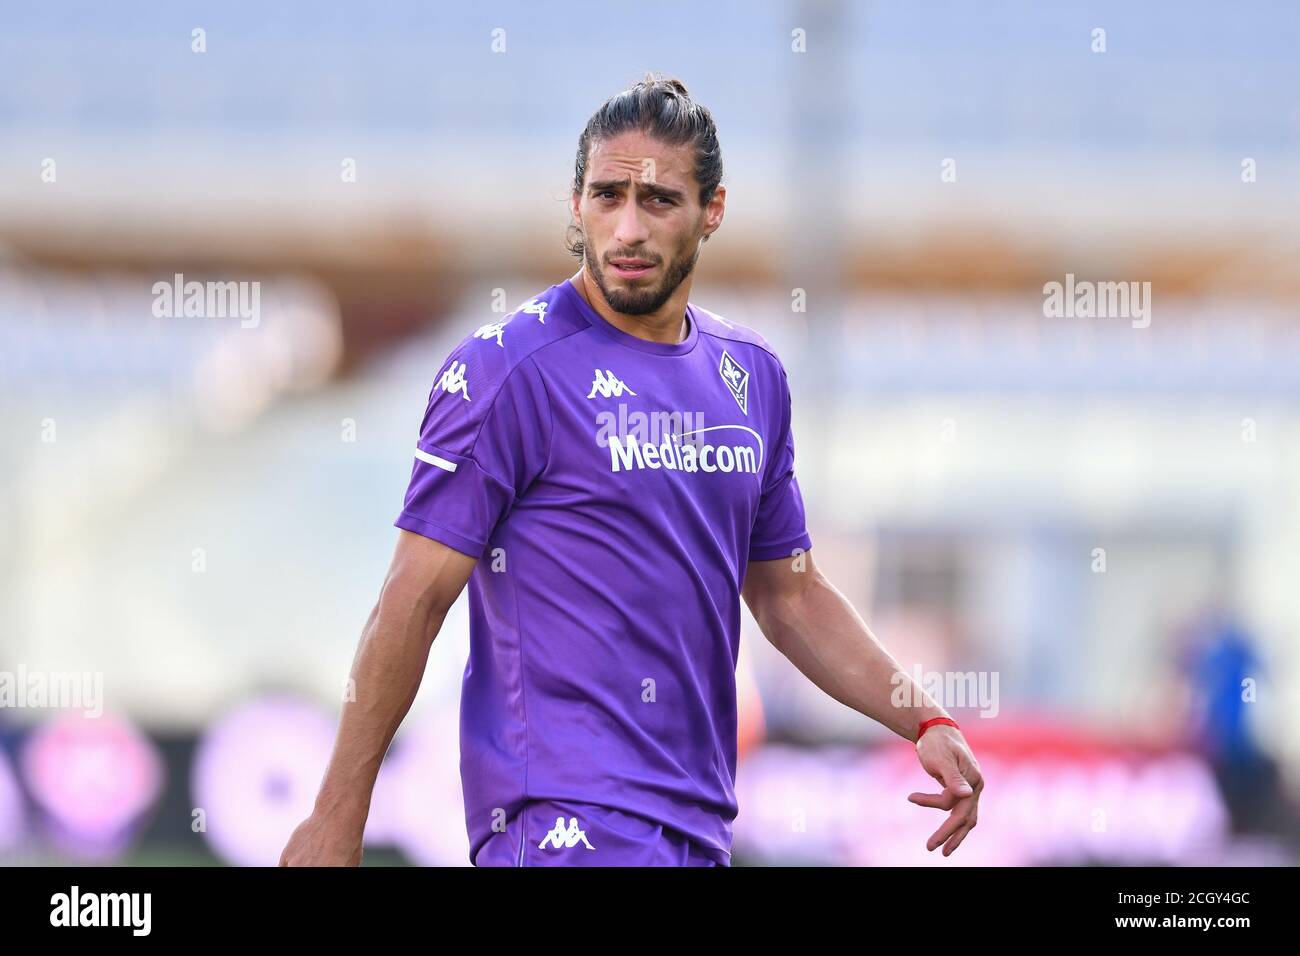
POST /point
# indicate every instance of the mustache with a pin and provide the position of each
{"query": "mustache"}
(632, 255)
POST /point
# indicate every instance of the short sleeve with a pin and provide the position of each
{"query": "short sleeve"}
(484, 439)
(779, 527)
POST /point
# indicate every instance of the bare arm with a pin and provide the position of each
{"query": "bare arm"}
(423, 581)
(806, 618)
(809, 621)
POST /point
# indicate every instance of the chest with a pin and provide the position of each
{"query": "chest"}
(681, 431)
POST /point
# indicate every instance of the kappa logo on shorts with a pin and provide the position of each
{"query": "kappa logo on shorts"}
(562, 838)
(608, 385)
(736, 378)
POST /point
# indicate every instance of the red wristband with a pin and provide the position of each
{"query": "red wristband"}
(927, 724)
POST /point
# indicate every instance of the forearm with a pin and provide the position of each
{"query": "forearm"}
(822, 634)
(385, 677)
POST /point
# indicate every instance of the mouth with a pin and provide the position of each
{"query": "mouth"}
(631, 268)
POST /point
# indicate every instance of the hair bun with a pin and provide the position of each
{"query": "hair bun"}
(653, 80)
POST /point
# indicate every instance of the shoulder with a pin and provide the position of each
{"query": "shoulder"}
(735, 336)
(489, 376)
(495, 354)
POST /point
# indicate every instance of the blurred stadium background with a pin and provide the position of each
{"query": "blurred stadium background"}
(1091, 524)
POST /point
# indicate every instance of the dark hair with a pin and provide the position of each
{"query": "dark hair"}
(658, 106)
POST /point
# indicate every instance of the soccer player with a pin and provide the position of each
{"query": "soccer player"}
(611, 469)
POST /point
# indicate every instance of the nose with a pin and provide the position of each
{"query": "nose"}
(630, 229)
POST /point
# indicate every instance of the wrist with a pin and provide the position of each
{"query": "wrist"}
(342, 808)
(942, 720)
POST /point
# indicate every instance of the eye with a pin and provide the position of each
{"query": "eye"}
(604, 193)
(665, 199)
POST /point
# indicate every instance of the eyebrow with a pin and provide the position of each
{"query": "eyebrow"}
(653, 189)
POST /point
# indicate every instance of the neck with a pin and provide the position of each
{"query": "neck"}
(667, 325)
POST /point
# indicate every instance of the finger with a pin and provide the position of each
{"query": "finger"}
(972, 775)
(941, 835)
(938, 801)
(950, 826)
(953, 781)
(950, 776)
(954, 841)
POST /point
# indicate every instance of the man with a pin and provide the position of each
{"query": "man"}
(611, 469)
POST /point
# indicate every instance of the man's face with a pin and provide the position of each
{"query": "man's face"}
(641, 220)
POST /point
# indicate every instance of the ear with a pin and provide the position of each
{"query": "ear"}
(714, 210)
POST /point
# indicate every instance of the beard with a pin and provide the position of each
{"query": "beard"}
(642, 301)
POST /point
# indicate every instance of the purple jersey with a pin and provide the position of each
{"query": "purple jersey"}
(614, 489)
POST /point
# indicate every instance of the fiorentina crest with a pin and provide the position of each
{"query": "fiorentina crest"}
(736, 378)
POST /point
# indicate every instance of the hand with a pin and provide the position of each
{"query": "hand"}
(943, 753)
(324, 841)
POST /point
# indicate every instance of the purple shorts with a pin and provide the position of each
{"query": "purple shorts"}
(563, 833)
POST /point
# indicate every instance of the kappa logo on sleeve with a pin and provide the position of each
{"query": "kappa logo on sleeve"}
(535, 307)
(491, 330)
(736, 378)
(453, 380)
(608, 385)
(562, 838)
